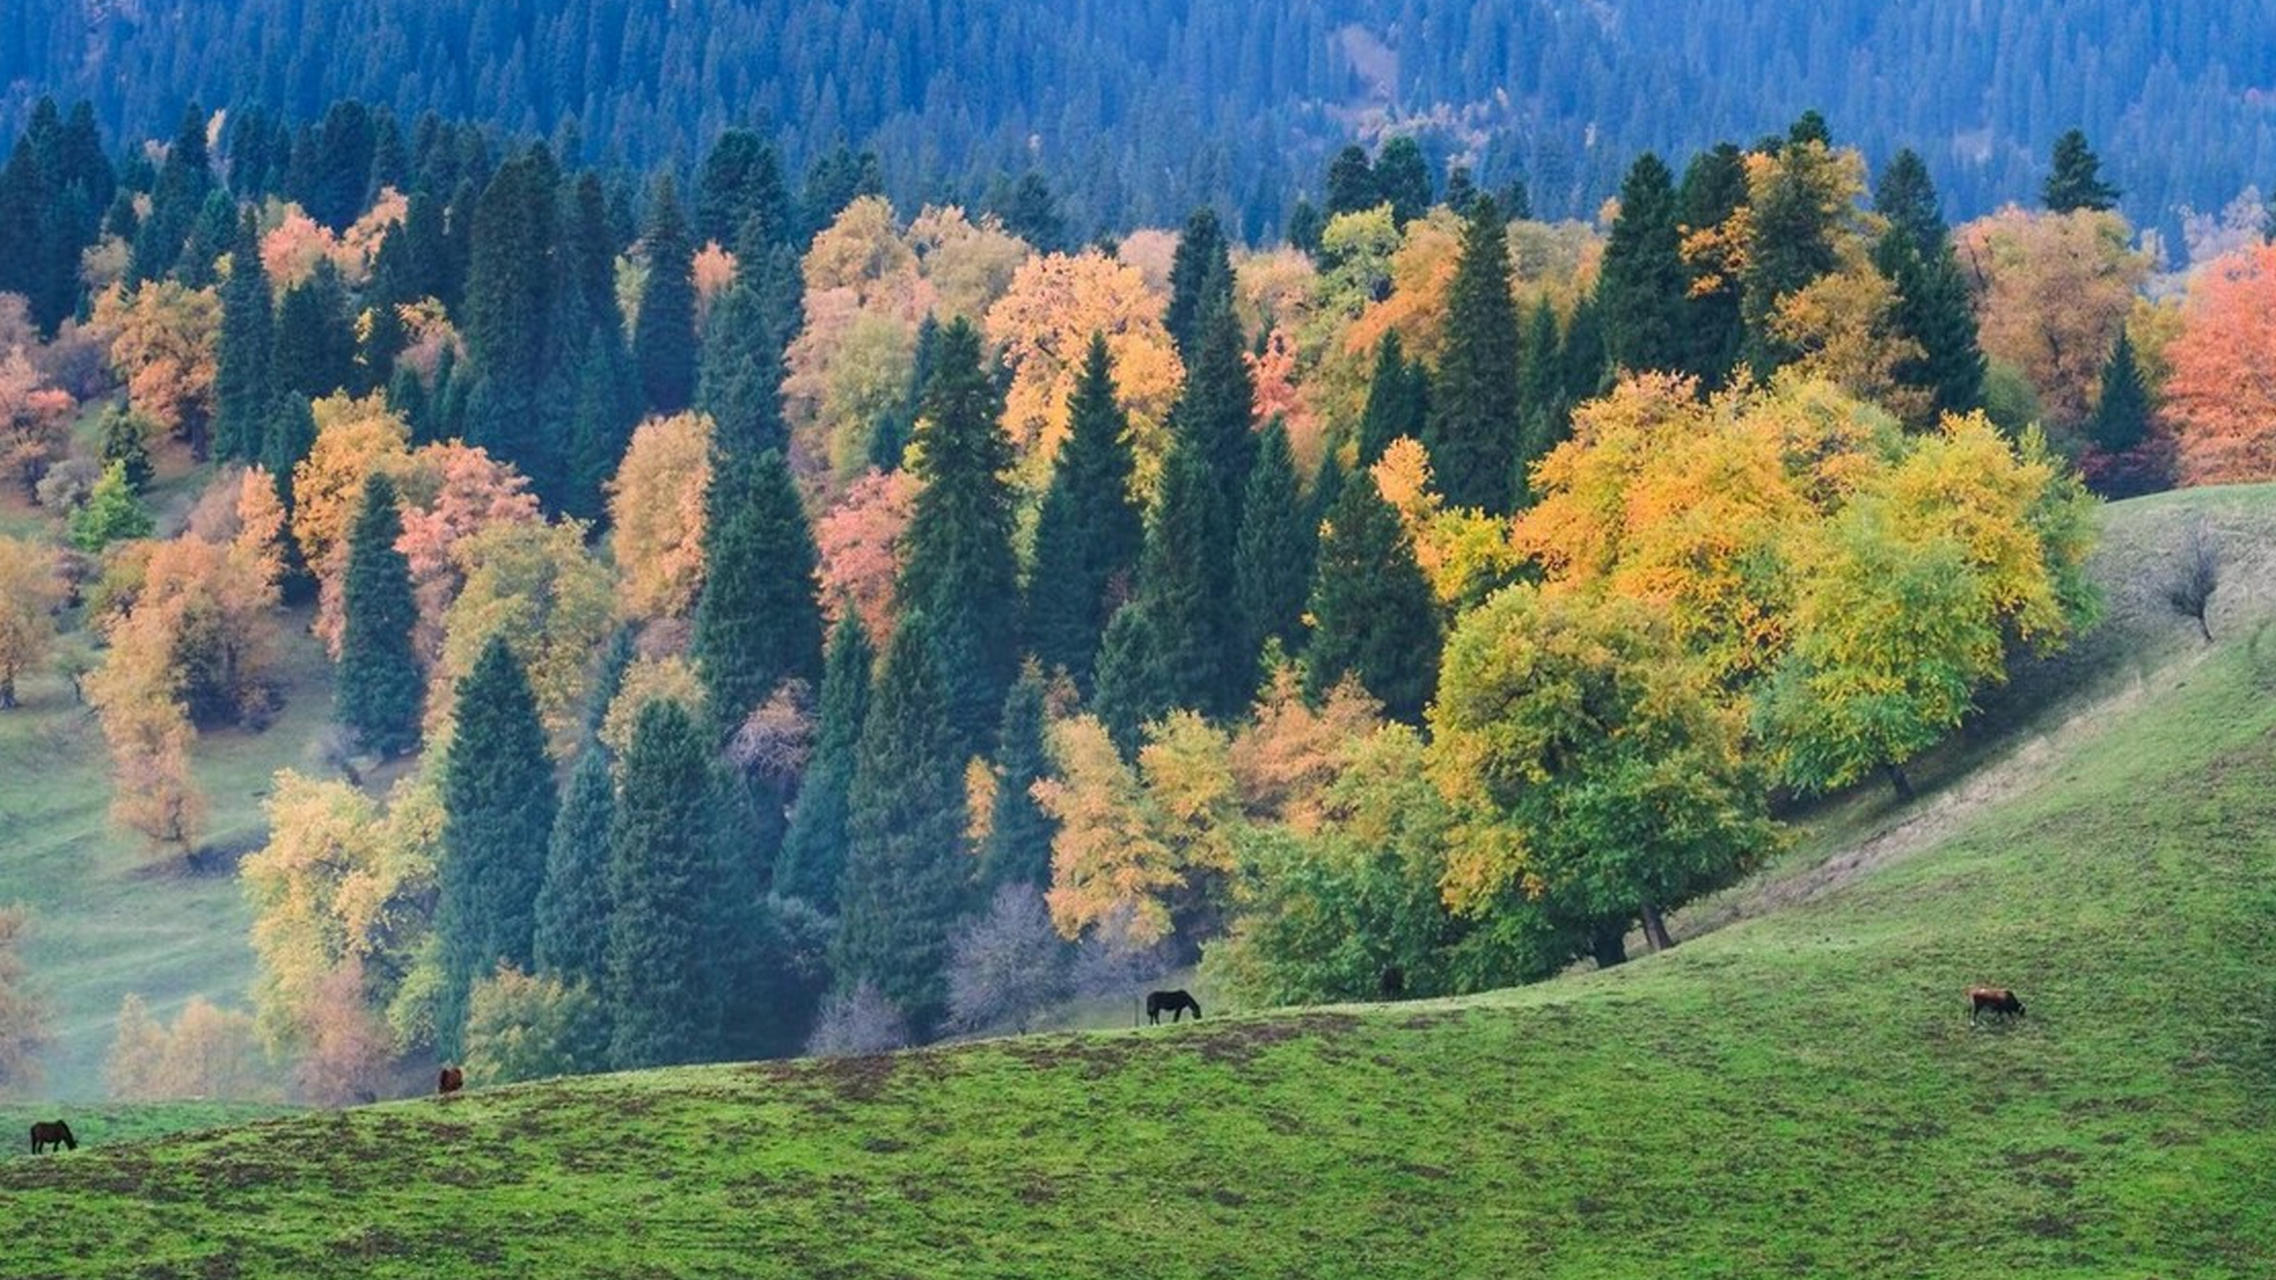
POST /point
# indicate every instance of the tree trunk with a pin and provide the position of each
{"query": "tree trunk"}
(1898, 782)
(2204, 626)
(1655, 928)
(1610, 945)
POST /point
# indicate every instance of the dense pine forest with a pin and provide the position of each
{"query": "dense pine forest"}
(1136, 112)
(762, 614)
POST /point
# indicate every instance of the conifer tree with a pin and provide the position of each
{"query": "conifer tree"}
(1306, 224)
(663, 340)
(315, 353)
(498, 807)
(1029, 210)
(1790, 247)
(1272, 566)
(664, 989)
(123, 437)
(1088, 535)
(814, 852)
(287, 435)
(176, 199)
(960, 572)
(904, 880)
(1474, 410)
(1374, 615)
(1185, 585)
(381, 688)
(573, 908)
(1134, 677)
(1018, 848)
(1933, 308)
(1645, 287)
(1216, 409)
(1351, 183)
(1461, 189)
(1402, 179)
(741, 179)
(111, 514)
(1398, 400)
(601, 423)
(1714, 186)
(1200, 272)
(741, 382)
(2122, 419)
(2074, 180)
(756, 622)
(510, 282)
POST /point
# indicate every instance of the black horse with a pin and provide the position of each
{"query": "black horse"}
(47, 1135)
(1173, 1003)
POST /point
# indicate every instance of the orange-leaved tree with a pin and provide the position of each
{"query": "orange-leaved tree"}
(2221, 395)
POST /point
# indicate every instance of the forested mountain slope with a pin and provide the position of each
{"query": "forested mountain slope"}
(1139, 109)
(1798, 1093)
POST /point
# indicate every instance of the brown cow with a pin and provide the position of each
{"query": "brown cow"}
(450, 1082)
(1997, 1001)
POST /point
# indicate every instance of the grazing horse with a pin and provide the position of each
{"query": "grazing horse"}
(1173, 1003)
(1997, 1001)
(47, 1135)
(449, 1082)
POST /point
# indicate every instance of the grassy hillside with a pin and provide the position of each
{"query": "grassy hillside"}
(1796, 1092)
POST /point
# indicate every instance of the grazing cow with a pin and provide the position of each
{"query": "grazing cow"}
(450, 1082)
(47, 1135)
(1394, 984)
(1997, 1001)
(1173, 1003)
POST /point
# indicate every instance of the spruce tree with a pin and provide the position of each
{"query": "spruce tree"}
(1306, 224)
(2122, 419)
(756, 622)
(573, 908)
(664, 989)
(176, 199)
(1185, 585)
(1018, 849)
(1134, 678)
(601, 422)
(1089, 532)
(1374, 614)
(287, 435)
(1714, 187)
(510, 281)
(1351, 183)
(1216, 409)
(741, 179)
(959, 569)
(315, 352)
(741, 382)
(123, 437)
(2074, 180)
(1933, 308)
(1272, 565)
(1461, 189)
(1474, 410)
(1398, 400)
(663, 339)
(1200, 272)
(814, 852)
(1791, 247)
(1402, 178)
(1645, 286)
(381, 688)
(905, 861)
(1029, 210)
(498, 807)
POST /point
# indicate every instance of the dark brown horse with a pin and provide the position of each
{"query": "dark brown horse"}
(47, 1135)
(1173, 1003)
(450, 1081)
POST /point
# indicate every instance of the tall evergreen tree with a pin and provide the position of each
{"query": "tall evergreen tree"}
(498, 807)
(741, 179)
(756, 622)
(1201, 271)
(1933, 306)
(1272, 565)
(1018, 848)
(315, 353)
(663, 340)
(1185, 585)
(1029, 210)
(1402, 178)
(1135, 680)
(664, 989)
(571, 939)
(381, 688)
(904, 881)
(287, 434)
(1351, 183)
(1791, 247)
(176, 199)
(1374, 615)
(959, 569)
(1714, 187)
(741, 382)
(2074, 178)
(2122, 418)
(1474, 410)
(1645, 287)
(1217, 408)
(1088, 535)
(601, 423)
(1398, 400)
(512, 239)
(814, 852)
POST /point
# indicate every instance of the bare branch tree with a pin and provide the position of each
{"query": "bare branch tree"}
(2197, 577)
(858, 1021)
(1008, 966)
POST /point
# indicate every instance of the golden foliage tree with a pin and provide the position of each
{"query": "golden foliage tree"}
(656, 507)
(208, 1053)
(2052, 291)
(30, 593)
(164, 339)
